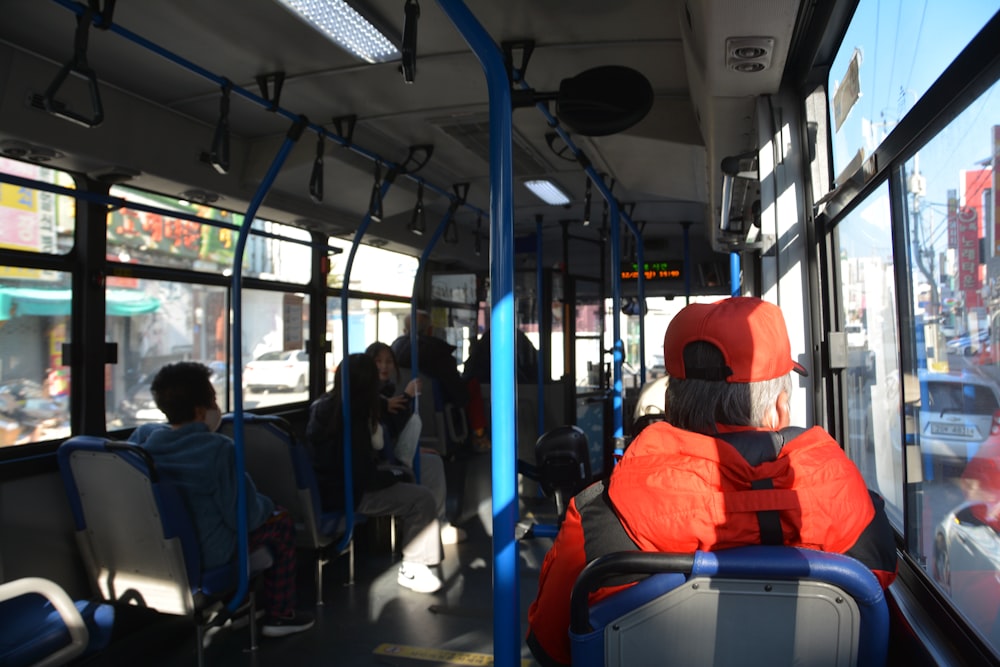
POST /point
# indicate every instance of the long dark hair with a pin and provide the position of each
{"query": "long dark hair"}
(364, 387)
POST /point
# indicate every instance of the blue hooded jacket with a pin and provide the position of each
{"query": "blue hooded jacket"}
(202, 465)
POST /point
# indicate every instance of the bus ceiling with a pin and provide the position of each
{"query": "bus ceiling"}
(161, 80)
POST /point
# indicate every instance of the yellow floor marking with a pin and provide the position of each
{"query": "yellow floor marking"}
(438, 655)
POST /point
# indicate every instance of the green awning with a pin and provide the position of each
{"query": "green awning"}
(19, 301)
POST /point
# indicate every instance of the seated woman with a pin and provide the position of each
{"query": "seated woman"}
(377, 491)
(402, 428)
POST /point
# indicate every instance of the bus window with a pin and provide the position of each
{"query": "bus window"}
(155, 323)
(869, 296)
(874, 82)
(957, 260)
(34, 382)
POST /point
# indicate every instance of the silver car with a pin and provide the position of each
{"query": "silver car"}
(967, 565)
(957, 412)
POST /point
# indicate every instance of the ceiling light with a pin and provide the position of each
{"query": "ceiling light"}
(342, 24)
(548, 192)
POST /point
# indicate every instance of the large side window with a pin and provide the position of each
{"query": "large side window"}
(35, 304)
(951, 211)
(868, 292)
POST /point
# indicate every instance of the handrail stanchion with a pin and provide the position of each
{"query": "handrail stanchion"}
(507, 638)
(686, 227)
(734, 274)
(540, 360)
(615, 216)
(98, 20)
(617, 348)
(640, 258)
(345, 375)
(414, 334)
(242, 541)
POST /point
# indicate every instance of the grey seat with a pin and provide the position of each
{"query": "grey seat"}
(757, 605)
(137, 538)
(280, 468)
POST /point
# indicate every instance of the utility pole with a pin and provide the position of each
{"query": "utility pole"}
(916, 185)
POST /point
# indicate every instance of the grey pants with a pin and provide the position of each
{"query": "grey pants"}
(417, 509)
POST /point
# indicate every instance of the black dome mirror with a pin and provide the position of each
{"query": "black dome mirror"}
(604, 100)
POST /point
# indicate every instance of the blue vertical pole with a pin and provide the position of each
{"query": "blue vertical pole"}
(734, 274)
(540, 305)
(507, 638)
(618, 349)
(242, 549)
(345, 375)
(640, 258)
(414, 334)
(616, 259)
(686, 227)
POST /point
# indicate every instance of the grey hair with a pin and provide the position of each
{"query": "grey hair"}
(698, 405)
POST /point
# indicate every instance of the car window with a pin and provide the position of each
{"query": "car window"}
(961, 397)
(981, 400)
(272, 356)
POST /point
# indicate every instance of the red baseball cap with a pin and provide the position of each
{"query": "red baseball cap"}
(749, 332)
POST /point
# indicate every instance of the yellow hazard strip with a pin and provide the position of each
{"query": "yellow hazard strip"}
(438, 655)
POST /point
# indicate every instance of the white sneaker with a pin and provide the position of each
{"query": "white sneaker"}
(452, 534)
(418, 577)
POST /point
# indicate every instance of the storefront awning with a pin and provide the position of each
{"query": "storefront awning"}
(20, 301)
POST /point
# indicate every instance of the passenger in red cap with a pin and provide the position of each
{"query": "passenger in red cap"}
(724, 470)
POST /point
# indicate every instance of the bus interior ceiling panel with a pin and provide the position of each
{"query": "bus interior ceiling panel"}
(160, 116)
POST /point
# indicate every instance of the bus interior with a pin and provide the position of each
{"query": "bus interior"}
(576, 171)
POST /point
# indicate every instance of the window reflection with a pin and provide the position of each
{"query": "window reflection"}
(951, 216)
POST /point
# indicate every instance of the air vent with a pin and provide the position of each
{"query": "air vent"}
(749, 54)
(25, 151)
(473, 132)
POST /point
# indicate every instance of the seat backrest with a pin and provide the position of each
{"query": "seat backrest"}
(432, 408)
(135, 533)
(280, 468)
(758, 605)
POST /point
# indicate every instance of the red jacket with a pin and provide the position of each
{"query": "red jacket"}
(677, 491)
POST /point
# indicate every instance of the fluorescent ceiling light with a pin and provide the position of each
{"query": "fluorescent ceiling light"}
(342, 24)
(548, 192)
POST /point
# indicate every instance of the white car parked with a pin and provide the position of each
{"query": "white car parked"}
(288, 369)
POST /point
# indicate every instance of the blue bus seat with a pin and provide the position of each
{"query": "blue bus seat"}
(757, 605)
(40, 625)
(137, 538)
(280, 468)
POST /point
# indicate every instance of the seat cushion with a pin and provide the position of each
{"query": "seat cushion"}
(33, 629)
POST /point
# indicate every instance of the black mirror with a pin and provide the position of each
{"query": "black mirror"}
(604, 100)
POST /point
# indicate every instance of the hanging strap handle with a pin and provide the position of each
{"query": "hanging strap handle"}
(78, 66)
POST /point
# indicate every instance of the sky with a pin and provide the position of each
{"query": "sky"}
(902, 47)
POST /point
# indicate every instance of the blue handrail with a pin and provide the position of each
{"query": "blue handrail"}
(615, 216)
(80, 9)
(345, 375)
(506, 587)
(540, 360)
(414, 333)
(242, 549)
(734, 274)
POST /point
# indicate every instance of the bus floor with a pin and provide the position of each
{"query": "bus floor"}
(371, 622)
